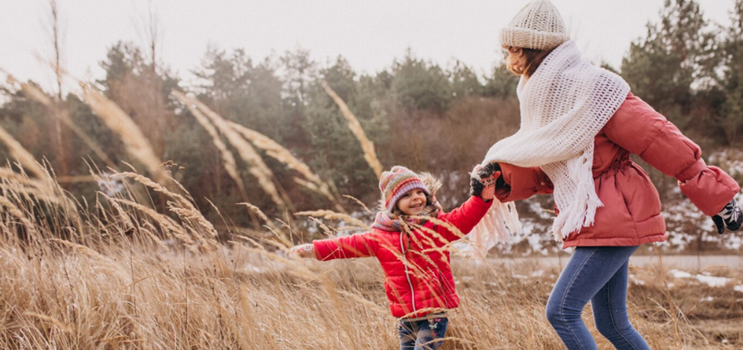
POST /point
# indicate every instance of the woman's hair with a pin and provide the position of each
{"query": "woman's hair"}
(533, 59)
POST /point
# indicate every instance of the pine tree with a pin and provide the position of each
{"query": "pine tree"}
(676, 59)
(732, 77)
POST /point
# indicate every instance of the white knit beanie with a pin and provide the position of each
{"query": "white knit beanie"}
(537, 26)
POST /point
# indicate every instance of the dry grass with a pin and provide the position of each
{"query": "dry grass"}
(21, 154)
(278, 152)
(227, 158)
(139, 279)
(331, 215)
(119, 122)
(367, 146)
(258, 168)
(39, 96)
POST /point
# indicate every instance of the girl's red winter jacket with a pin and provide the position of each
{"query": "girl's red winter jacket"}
(418, 276)
(631, 214)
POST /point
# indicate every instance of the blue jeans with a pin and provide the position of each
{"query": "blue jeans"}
(598, 274)
(422, 335)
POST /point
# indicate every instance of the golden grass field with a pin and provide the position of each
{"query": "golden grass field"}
(132, 295)
(118, 274)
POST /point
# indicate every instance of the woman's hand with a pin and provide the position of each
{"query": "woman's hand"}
(730, 216)
(304, 250)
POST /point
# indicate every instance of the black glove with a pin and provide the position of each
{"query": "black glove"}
(730, 216)
(483, 172)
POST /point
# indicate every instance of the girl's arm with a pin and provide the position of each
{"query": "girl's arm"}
(641, 130)
(354, 246)
(464, 218)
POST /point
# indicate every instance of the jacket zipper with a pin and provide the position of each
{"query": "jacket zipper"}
(407, 274)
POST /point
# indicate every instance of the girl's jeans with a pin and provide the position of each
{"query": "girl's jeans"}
(423, 334)
(598, 274)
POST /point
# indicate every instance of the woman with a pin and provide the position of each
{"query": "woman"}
(579, 125)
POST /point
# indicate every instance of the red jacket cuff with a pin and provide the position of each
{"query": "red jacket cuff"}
(710, 190)
(522, 183)
(693, 170)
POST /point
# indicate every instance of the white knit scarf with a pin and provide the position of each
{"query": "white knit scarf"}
(564, 104)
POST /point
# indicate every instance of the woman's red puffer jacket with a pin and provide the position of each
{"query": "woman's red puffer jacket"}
(631, 214)
(418, 277)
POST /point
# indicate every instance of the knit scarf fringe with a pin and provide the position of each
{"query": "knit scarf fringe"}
(494, 227)
(582, 211)
(563, 106)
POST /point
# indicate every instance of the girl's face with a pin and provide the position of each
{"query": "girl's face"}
(412, 202)
(516, 58)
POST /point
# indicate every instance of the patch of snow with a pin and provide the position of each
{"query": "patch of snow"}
(636, 280)
(679, 274)
(537, 208)
(711, 281)
(537, 273)
(110, 184)
(738, 288)
(706, 299)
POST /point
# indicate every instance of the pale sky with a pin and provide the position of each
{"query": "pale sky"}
(369, 34)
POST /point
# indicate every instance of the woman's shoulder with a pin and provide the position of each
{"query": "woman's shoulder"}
(633, 105)
(634, 121)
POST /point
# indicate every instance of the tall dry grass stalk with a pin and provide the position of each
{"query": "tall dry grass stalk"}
(14, 211)
(43, 187)
(21, 154)
(257, 167)
(230, 165)
(119, 122)
(331, 215)
(367, 146)
(193, 223)
(61, 114)
(278, 152)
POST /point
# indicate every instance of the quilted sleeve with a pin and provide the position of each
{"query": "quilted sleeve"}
(641, 130)
(464, 218)
(354, 246)
(522, 183)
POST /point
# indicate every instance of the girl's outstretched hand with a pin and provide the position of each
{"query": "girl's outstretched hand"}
(304, 250)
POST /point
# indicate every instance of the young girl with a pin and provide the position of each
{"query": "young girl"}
(412, 250)
(579, 125)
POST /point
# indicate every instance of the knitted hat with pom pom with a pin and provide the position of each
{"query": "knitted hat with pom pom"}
(396, 182)
(537, 26)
